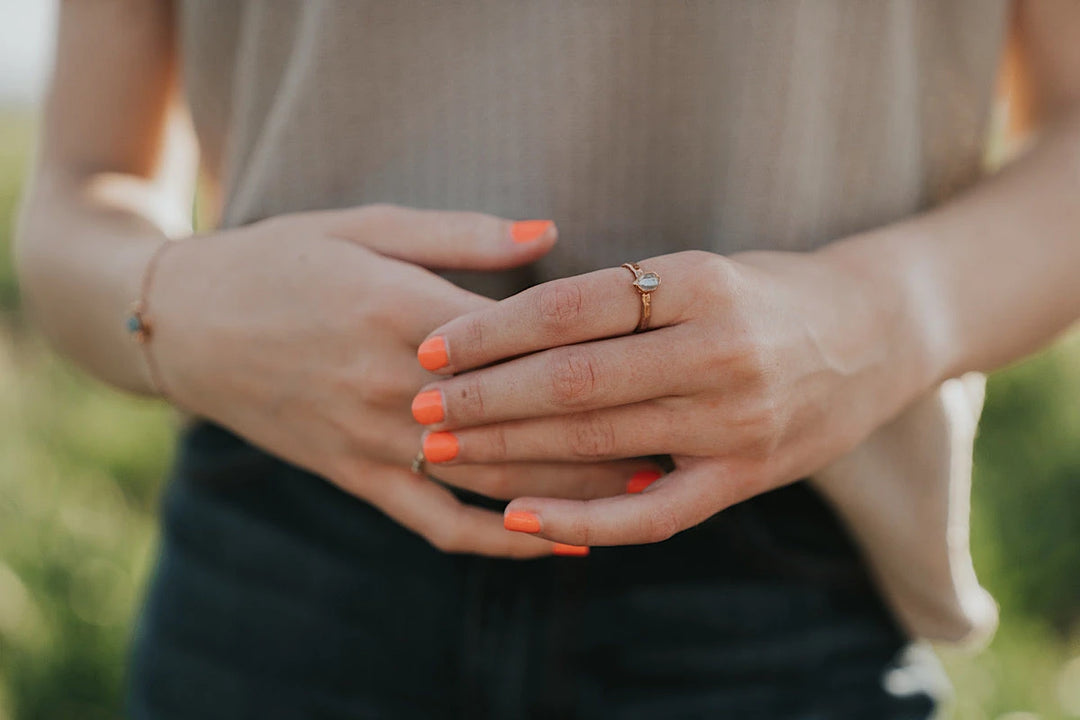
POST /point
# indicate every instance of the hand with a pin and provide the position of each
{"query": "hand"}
(757, 370)
(298, 333)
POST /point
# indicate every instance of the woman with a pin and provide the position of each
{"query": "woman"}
(798, 185)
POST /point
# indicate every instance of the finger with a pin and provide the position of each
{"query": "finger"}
(557, 480)
(651, 428)
(442, 238)
(433, 512)
(505, 481)
(596, 305)
(589, 376)
(674, 503)
(431, 301)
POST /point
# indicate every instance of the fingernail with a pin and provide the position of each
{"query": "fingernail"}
(440, 447)
(432, 353)
(524, 231)
(427, 407)
(643, 479)
(526, 522)
(570, 550)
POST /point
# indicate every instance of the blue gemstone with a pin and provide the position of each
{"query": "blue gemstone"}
(134, 325)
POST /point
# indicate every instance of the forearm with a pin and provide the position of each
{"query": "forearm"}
(83, 248)
(113, 176)
(992, 275)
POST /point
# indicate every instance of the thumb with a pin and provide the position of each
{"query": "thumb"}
(443, 239)
(698, 488)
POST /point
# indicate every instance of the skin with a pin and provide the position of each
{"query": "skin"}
(761, 368)
(300, 332)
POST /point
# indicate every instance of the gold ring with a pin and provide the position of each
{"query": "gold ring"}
(419, 464)
(646, 283)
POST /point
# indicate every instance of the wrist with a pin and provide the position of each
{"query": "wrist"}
(140, 323)
(907, 301)
(173, 304)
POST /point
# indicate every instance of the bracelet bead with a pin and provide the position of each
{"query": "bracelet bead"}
(138, 322)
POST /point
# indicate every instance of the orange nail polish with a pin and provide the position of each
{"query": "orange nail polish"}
(427, 407)
(643, 479)
(522, 522)
(524, 231)
(570, 550)
(432, 353)
(440, 447)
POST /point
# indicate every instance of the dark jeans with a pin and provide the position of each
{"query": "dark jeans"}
(278, 596)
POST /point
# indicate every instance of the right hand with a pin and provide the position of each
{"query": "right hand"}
(299, 333)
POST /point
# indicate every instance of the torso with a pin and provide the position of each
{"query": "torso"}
(640, 126)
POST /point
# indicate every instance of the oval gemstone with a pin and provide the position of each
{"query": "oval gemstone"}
(648, 282)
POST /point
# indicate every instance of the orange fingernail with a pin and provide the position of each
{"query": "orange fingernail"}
(427, 407)
(440, 447)
(432, 353)
(522, 522)
(570, 550)
(643, 479)
(524, 231)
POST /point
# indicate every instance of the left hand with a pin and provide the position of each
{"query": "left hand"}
(757, 370)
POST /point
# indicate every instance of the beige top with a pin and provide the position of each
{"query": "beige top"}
(642, 127)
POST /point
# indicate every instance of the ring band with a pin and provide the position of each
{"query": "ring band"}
(419, 464)
(645, 283)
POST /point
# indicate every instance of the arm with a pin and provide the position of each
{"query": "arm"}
(113, 176)
(765, 367)
(296, 332)
(995, 274)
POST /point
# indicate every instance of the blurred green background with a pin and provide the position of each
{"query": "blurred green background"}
(81, 469)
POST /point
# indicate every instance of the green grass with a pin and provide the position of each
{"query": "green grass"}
(79, 471)
(81, 468)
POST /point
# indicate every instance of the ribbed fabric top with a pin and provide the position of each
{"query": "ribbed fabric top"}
(640, 126)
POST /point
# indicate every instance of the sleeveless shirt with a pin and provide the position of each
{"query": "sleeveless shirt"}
(641, 127)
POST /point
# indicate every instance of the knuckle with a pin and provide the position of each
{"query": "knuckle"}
(580, 529)
(714, 358)
(663, 523)
(717, 266)
(591, 436)
(771, 423)
(495, 444)
(446, 537)
(354, 437)
(374, 314)
(762, 428)
(472, 337)
(753, 362)
(573, 377)
(466, 401)
(380, 387)
(700, 258)
(560, 305)
(717, 276)
(585, 534)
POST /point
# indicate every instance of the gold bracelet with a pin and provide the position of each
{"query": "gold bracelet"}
(139, 323)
